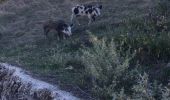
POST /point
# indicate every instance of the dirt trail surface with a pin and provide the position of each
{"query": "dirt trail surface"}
(17, 84)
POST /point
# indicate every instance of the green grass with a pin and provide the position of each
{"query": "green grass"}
(117, 60)
(99, 64)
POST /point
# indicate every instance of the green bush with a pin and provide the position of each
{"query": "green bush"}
(105, 67)
(144, 90)
(154, 46)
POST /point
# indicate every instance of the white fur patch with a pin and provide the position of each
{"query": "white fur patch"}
(67, 31)
(98, 12)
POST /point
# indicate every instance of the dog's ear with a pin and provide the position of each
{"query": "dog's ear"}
(100, 7)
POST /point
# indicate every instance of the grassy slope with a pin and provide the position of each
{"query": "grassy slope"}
(24, 44)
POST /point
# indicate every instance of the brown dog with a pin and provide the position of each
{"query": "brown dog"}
(63, 29)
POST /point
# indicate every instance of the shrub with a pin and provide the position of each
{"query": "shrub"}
(144, 90)
(105, 67)
(147, 46)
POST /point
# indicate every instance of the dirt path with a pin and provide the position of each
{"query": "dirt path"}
(15, 79)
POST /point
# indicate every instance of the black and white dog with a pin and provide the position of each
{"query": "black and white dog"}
(86, 10)
(63, 29)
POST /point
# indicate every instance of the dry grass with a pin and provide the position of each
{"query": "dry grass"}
(13, 88)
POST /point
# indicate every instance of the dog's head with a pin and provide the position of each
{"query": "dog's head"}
(98, 9)
(67, 29)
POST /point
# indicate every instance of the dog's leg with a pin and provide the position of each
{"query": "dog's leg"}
(93, 18)
(72, 17)
(46, 31)
(60, 34)
(67, 36)
(90, 19)
(78, 21)
(56, 35)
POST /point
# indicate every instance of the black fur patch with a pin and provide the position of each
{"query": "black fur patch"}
(86, 12)
(76, 11)
(100, 7)
(93, 17)
(81, 7)
(85, 8)
(90, 10)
